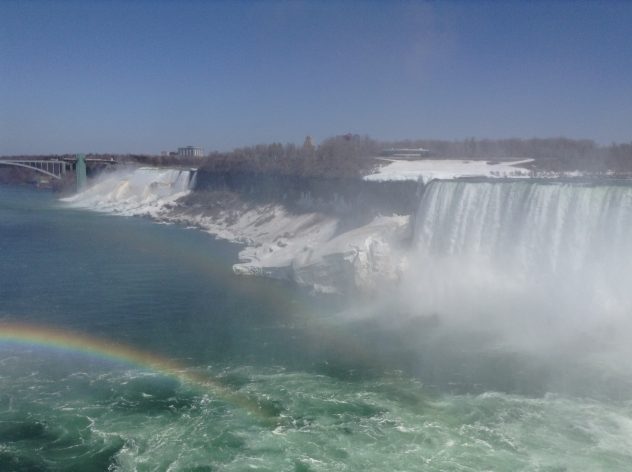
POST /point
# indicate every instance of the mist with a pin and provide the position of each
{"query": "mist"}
(516, 286)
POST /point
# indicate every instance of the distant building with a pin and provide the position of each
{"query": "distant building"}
(405, 153)
(308, 145)
(190, 151)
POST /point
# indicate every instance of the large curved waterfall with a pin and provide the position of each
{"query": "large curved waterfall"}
(537, 228)
(543, 263)
(138, 191)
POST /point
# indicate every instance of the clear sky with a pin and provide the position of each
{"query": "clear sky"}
(146, 76)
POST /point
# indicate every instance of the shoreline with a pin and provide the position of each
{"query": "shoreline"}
(354, 241)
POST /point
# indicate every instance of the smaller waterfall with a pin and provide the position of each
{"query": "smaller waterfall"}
(139, 191)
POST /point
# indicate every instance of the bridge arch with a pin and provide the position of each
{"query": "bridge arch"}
(44, 167)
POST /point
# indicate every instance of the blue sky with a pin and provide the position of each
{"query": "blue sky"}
(143, 76)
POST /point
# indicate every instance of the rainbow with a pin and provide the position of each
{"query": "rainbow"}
(54, 338)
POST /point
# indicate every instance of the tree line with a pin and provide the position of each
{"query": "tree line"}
(353, 155)
(348, 155)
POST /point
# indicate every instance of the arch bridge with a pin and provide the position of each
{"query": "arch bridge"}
(57, 168)
(54, 168)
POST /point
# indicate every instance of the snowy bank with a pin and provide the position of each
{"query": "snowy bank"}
(307, 248)
(426, 170)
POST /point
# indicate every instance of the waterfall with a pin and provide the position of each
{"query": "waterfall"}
(138, 191)
(530, 227)
(533, 259)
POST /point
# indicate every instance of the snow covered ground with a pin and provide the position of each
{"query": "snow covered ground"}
(307, 247)
(426, 170)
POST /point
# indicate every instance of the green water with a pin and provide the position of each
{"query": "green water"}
(337, 394)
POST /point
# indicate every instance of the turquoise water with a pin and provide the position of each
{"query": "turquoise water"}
(338, 392)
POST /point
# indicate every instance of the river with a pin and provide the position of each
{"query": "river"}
(127, 345)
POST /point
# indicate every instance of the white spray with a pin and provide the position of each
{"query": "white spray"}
(138, 191)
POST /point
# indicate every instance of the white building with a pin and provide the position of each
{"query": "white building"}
(190, 151)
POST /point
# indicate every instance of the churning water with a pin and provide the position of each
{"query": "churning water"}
(127, 345)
